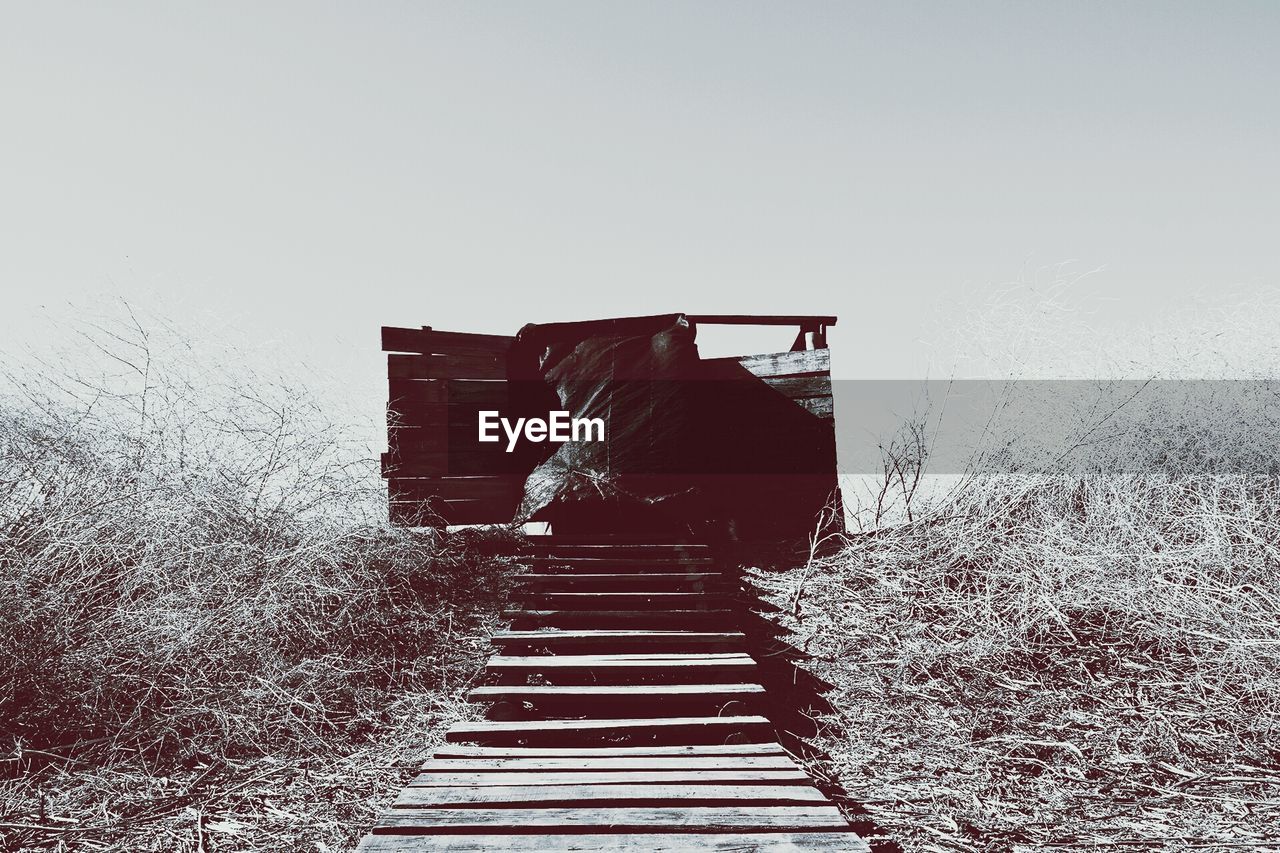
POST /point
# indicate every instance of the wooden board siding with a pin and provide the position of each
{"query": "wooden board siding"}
(438, 380)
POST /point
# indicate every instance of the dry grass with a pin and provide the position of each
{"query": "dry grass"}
(1043, 661)
(209, 641)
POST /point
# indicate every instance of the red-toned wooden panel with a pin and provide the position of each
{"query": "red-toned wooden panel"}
(473, 366)
(396, 339)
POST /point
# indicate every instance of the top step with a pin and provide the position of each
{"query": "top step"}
(614, 564)
(610, 540)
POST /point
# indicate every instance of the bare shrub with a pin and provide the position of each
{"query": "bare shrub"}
(194, 573)
(1076, 640)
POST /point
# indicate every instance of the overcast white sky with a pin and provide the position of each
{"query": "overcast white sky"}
(315, 170)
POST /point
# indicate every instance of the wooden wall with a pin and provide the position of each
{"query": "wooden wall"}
(437, 471)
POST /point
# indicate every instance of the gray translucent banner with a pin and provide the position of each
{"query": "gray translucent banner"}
(1073, 427)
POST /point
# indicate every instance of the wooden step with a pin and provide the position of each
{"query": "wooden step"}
(466, 751)
(619, 618)
(615, 565)
(596, 669)
(625, 600)
(586, 698)
(743, 776)
(618, 639)
(617, 820)
(589, 796)
(630, 552)
(658, 730)
(612, 540)
(585, 764)
(741, 841)
(639, 581)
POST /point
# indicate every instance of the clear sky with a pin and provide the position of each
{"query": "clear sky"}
(315, 170)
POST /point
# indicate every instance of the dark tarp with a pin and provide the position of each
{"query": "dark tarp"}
(686, 443)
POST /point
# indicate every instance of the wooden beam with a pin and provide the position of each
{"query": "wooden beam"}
(623, 600)
(615, 618)
(568, 731)
(428, 340)
(446, 367)
(468, 751)
(617, 638)
(692, 818)
(741, 841)
(742, 776)
(503, 491)
(586, 694)
(671, 665)
(595, 796)
(762, 319)
(581, 764)
(802, 363)
(434, 513)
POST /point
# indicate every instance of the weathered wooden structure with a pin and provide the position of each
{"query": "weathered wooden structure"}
(623, 707)
(439, 473)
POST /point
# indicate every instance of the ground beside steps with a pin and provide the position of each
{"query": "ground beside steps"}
(622, 715)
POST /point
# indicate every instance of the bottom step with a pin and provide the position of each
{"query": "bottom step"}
(633, 820)
(695, 751)
(597, 796)
(736, 842)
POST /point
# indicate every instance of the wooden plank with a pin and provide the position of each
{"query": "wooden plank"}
(587, 764)
(446, 367)
(416, 440)
(428, 340)
(503, 490)
(552, 638)
(803, 362)
(800, 387)
(611, 558)
(603, 544)
(468, 751)
(613, 540)
(671, 666)
(408, 461)
(819, 407)
(745, 776)
(619, 564)
(623, 600)
(587, 696)
(703, 842)
(579, 578)
(653, 819)
(462, 418)
(615, 618)
(579, 796)
(435, 512)
(567, 731)
(489, 392)
(655, 581)
(761, 319)
(425, 451)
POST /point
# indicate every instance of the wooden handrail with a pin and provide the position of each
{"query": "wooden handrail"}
(761, 319)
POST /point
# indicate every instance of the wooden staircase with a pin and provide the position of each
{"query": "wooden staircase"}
(623, 714)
